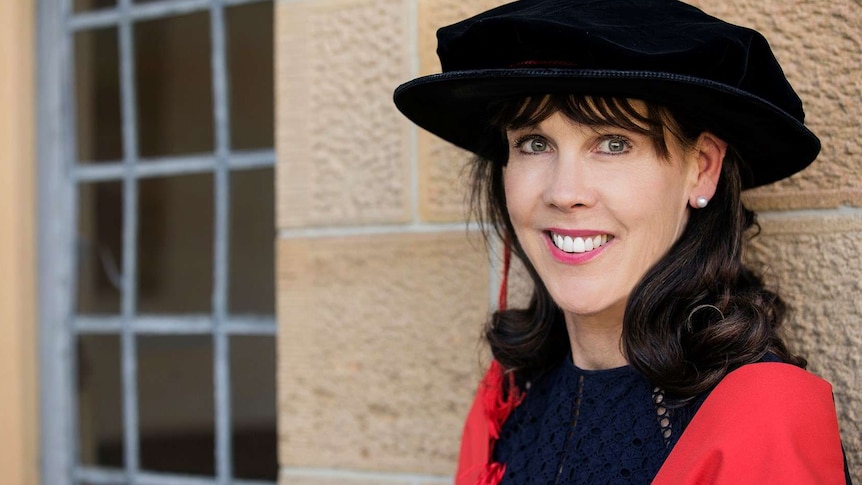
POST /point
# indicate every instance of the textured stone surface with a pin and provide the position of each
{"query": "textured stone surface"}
(379, 335)
(817, 265)
(442, 174)
(819, 45)
(378, 340)
(434, 14)
(520, 285)
(343, 149)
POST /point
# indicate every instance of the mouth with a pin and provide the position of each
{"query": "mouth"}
(579, 244)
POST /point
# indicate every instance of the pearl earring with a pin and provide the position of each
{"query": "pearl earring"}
(701, 202)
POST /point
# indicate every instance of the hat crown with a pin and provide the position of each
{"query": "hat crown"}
(653, 36)
(715, 75)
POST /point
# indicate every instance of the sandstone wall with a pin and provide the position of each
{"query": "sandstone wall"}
(382, 289)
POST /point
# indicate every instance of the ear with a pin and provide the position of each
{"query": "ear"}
(708, 157)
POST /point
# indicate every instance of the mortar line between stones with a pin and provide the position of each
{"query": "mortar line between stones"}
(810, 213)
(347, 231)
(357, 475)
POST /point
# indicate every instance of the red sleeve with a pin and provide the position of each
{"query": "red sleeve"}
(764, 423)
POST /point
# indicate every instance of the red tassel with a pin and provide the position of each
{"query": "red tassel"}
(492, 475)
(497, 409)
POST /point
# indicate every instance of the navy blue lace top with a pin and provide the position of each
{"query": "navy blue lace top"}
(588, 427)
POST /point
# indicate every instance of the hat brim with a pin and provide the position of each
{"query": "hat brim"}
(455, 107)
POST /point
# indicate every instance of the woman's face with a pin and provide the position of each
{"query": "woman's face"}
(594, 208)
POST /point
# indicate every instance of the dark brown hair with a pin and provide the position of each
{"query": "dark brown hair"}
(696, 315)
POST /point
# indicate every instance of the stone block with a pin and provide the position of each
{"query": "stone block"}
(443, 170)
(520, 285)
(378, 349)
(816, 264)
(343, 149)
(444, 179)
(434, 14)
(819, 45)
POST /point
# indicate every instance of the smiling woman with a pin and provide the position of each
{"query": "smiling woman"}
(613, 140)
(579, 187)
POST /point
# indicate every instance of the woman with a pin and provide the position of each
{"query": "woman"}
(613, 139)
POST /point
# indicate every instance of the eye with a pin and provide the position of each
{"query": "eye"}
(614, 145)
(532, 144)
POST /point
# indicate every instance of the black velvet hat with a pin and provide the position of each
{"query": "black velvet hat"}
(722, 76)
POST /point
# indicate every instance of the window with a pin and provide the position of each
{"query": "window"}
(157, 233)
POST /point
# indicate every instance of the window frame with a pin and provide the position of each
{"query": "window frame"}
(59, 175)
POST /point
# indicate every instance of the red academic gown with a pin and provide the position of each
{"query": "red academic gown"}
(764, 423)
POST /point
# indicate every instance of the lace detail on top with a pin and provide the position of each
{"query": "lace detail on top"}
(588, 427)
(663, 415)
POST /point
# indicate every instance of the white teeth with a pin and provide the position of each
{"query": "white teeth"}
(579, 244)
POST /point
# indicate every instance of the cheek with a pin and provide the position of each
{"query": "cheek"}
(516, 192)
(653, 203)
(662, 215)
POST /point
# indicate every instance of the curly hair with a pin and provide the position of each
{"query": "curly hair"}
(695, 316)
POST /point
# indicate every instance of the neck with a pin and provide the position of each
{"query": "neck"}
(595, 340)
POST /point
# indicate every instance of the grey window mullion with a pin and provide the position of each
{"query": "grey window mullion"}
(107, 476)
(221, 343)
(69, 143)
(131, 429)
(146, 11)
(57, 247)
(256, 325)
(175, 325)
(96, 475)
(167, 166)
(106, 17)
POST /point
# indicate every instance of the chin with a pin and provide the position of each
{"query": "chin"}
(588, 304)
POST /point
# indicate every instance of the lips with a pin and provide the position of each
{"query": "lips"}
(579, 244)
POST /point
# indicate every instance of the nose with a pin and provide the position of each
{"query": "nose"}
(570, 185)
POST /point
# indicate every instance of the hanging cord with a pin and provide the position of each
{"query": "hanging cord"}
(502, 299)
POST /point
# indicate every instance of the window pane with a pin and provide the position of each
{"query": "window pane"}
(100, 247)
(84, 5)
(250, 64)
(174, 87)
(97, 96)
(175, 244)
(100, 407)
(252, 242)
(253, 407)
(175, 401)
